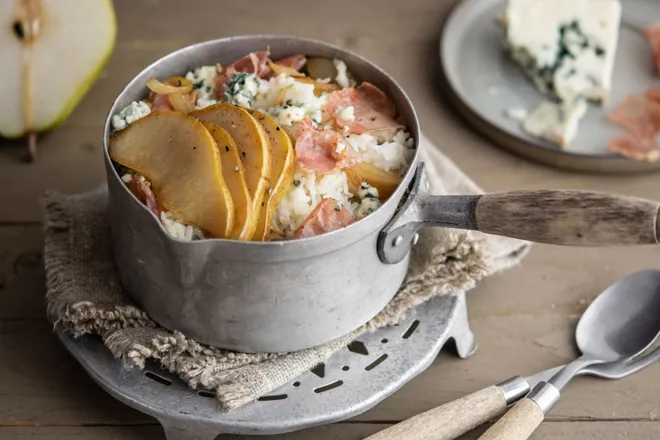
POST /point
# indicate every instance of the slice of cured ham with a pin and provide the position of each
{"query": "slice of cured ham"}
(640, 116)
(373, 111)
(329, 215)
(652, 33)
(635, 147)
(322, 150)
(142, 190)
(295, 62)
(254, 62)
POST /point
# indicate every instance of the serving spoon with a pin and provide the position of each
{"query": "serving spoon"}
(621, 324)
(455, 418)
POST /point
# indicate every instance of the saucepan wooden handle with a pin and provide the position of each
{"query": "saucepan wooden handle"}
(564, 217)
(576, 218)
(448, 421)
(517, 424)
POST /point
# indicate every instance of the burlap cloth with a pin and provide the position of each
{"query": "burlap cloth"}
(84, 295)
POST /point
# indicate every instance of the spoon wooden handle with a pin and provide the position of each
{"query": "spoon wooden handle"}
(450, 420)
(517, 424)
(576, 218)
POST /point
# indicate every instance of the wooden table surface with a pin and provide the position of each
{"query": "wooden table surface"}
(523, 319)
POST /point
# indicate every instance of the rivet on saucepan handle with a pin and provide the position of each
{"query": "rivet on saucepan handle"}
(419, 209)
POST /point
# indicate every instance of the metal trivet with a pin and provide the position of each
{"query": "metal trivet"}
(351, 382)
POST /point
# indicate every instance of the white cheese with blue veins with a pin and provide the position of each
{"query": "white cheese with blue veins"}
(131, 113)
(556, 122)
(566, 46)
(202, 79)
(369, 200)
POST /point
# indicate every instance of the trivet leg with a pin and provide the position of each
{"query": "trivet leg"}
(184, 432)
(466, 344)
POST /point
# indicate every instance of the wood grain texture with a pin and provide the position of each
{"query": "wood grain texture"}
(517, 424)
(524, 319)
(339, 431)
(568, 217)
(449, 420)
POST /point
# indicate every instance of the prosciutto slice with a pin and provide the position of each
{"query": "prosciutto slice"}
(142, 190)
(322, 150)
(160, 102)
(373, 111)
(636, 147)
(640, 116)
(652, 33)
(295, 62)
(329, 215)
(254, 62)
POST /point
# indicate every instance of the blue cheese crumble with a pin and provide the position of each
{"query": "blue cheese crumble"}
(241, 88)
(202, 80)
(131, 113)
(556, 122)
(369, 200)
(342, 73)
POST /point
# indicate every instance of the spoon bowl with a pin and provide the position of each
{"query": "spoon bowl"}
(615, 332)
(623, 320)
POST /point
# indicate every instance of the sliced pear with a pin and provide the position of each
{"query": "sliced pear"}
(52, 51)
(384, 181)
(284, 162)
(181, 160)
(252, 142)
(233, 172)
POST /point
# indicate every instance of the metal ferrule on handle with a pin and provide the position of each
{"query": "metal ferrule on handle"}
(545, 395)
(514, 389)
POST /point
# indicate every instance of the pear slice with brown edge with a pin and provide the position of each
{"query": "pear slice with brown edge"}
(253, 146)
(284, 162)
(233, 172)
(181, 160)
(384, 181)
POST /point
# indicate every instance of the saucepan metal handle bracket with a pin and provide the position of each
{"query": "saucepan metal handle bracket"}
(418, 209)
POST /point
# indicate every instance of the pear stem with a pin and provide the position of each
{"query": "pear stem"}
(32, 146)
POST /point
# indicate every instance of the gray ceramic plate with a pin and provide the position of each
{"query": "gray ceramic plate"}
(484, 82)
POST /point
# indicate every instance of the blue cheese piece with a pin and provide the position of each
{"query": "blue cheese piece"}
(131, 113)
(516, 113)
(202, 79)
(567, 47)
(241, 89)
(555, 122)
(369, 200)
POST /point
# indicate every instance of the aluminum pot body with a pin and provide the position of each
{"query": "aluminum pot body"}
(249, 296)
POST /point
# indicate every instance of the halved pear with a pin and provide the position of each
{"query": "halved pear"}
(233, 172)
(384, 181)
(252, 142)
(284, 162)
(181, 160)
(52, 51)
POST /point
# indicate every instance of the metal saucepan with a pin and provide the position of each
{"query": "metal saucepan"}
(291, 295)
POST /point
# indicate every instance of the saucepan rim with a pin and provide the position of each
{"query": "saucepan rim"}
(357, 230)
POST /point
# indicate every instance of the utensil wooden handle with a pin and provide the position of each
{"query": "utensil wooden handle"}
(576, 218)
(517, 424)
(450, 420)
